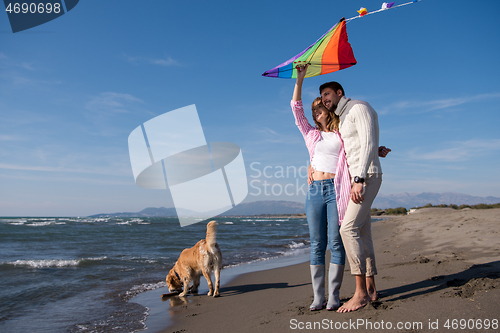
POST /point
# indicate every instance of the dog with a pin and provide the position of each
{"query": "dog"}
(203, 258)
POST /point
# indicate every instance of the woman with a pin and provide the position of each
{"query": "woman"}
(327, 196)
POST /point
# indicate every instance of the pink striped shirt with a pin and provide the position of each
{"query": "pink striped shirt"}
(311, 136)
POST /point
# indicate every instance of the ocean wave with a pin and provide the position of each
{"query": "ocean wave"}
(13, 220)
(227, 223)
(140, 259)
(101, 219)
(39, 224)
(47, 263)
(129, 222)
(295, 245)
(44, 263)
(137, 289)
(290, 250)
(133, 320)
(249, 262)
(91, 220)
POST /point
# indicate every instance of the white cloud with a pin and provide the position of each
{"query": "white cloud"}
(111, 102)
(415, 107)
(165, 62)
(421, 184)
(309, 93)
(268, 130)
(459, 150)
(13, 63)
(57, 177)
(27, 65)
(123, 171)
(16, 78)
(5, 137)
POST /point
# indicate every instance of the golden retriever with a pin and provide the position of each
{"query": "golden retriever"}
(203, 258)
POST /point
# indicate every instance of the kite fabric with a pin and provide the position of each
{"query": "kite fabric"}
(386, 5)
(331, 53)
(362, 11)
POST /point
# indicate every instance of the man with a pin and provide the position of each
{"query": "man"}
(360, 133)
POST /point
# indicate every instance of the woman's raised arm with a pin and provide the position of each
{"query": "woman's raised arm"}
(297, 91)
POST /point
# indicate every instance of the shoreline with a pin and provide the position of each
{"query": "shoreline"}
(156, 321)
(163, 312)
(434, 267)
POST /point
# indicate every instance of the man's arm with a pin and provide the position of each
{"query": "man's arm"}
(366, 122)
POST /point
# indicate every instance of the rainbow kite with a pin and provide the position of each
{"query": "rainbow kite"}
(331, 53)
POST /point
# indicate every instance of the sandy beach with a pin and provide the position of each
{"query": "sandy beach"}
(439, 270)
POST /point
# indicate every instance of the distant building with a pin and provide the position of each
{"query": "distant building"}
(412, 210)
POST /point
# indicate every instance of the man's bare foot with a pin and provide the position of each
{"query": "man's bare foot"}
(370, 288)
(373, 296)
(355, 303)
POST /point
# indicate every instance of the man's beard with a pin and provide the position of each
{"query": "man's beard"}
(332, 108)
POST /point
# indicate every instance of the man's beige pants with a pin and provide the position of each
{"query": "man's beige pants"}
(356, 230)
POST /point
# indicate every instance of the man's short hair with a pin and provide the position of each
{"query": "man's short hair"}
(332, 85)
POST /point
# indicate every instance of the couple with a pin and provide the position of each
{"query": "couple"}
(343, 151)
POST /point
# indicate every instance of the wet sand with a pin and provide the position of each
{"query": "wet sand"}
(437, 267)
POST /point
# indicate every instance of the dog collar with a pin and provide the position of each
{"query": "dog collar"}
(177, 275)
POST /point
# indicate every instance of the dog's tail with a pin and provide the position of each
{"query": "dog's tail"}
(211, 234)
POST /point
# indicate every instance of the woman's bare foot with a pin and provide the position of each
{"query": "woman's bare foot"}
(355, 303)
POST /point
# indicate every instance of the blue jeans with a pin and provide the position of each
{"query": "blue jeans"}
(323, 221)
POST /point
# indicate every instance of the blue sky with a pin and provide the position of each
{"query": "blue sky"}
(73, 89)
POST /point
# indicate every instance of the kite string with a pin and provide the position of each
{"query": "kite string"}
(352, 18)
(311, 55)
(381, 10)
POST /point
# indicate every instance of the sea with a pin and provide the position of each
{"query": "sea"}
(80, 274)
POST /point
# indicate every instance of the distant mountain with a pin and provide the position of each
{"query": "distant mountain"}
(266, 207)
(250, 208)
(409, 200)
(148, 212)
(271, 207)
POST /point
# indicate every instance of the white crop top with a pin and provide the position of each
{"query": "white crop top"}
(326, 153)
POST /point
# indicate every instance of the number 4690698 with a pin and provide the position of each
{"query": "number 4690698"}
(471, 324)
(33, 8)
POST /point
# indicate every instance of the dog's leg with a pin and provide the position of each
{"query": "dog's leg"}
(207, 276)
(186, 287)
(217, 281)
(196, 283)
